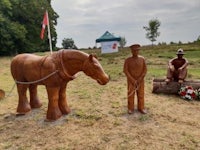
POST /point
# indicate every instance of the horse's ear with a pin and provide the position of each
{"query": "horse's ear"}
(95, 55)
(91, 57)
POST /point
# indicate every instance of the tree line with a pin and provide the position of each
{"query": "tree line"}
(20, 26)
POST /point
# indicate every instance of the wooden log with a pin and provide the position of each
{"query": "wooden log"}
(2, 94)
(160, 86)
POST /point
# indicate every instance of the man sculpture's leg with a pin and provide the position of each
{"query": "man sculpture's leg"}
(140, 97)
(182, 75)
(131, 96)
(169, 75)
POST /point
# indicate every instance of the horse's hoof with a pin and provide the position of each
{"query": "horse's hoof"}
(23, 110)
(65, 111)
(53, 115)
(52, 119)
(36, 105)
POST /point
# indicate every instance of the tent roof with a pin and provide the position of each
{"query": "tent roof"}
(107, 36)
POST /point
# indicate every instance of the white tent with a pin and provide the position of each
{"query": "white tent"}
(109, 43)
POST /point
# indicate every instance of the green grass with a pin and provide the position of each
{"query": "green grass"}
(156, 59)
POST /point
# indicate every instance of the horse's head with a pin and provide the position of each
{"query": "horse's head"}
(94, 69)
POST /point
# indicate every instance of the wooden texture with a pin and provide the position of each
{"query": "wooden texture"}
(2, 94)
(160, 86)
(54, 71)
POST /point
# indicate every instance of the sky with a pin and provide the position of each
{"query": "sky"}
(86, 20)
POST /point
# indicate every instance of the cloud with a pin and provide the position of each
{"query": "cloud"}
(86, 20)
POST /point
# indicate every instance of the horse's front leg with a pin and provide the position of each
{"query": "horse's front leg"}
(23, 104)
(34, 100)
(53, 112)
(63, 100)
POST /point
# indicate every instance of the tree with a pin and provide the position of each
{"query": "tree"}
(198, 39)
(30, 14)
(152, 30)
(11, 33)
(68, 43)
(20, 26)
(122, 42)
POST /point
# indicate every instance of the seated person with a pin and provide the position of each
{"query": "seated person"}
(177, 68)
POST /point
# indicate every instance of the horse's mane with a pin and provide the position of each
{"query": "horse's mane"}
(75, 54)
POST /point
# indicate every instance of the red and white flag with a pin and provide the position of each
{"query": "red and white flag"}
(44, 24)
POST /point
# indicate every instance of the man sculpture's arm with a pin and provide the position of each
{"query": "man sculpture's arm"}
(128, 75)
(143, 73)
(170, 65)
(184, 65)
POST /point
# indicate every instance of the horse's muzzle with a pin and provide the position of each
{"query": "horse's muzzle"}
(104, 80)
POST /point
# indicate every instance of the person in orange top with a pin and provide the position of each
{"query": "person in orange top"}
(177, 68)
(135, 70)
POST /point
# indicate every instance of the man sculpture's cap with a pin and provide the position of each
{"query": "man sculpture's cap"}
(180, 52)
(135, 47)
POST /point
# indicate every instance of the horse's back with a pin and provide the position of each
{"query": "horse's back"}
(24, 62)
(24, 57)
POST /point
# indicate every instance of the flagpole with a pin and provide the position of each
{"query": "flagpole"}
(49, 33)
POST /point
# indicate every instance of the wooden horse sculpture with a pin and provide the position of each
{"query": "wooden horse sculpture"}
(53, 71)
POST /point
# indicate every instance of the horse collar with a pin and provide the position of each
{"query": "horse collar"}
(64, 71)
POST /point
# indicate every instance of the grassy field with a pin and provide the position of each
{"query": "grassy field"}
(99, 118)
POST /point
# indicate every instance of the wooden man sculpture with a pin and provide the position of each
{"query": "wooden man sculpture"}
(177, 68)
(135, 70)
(53, 71)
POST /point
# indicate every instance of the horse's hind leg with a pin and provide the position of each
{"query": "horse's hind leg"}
(23, 104)
(34, 100)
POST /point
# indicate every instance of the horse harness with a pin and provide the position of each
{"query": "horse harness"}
(58, 61)
(60, 69)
